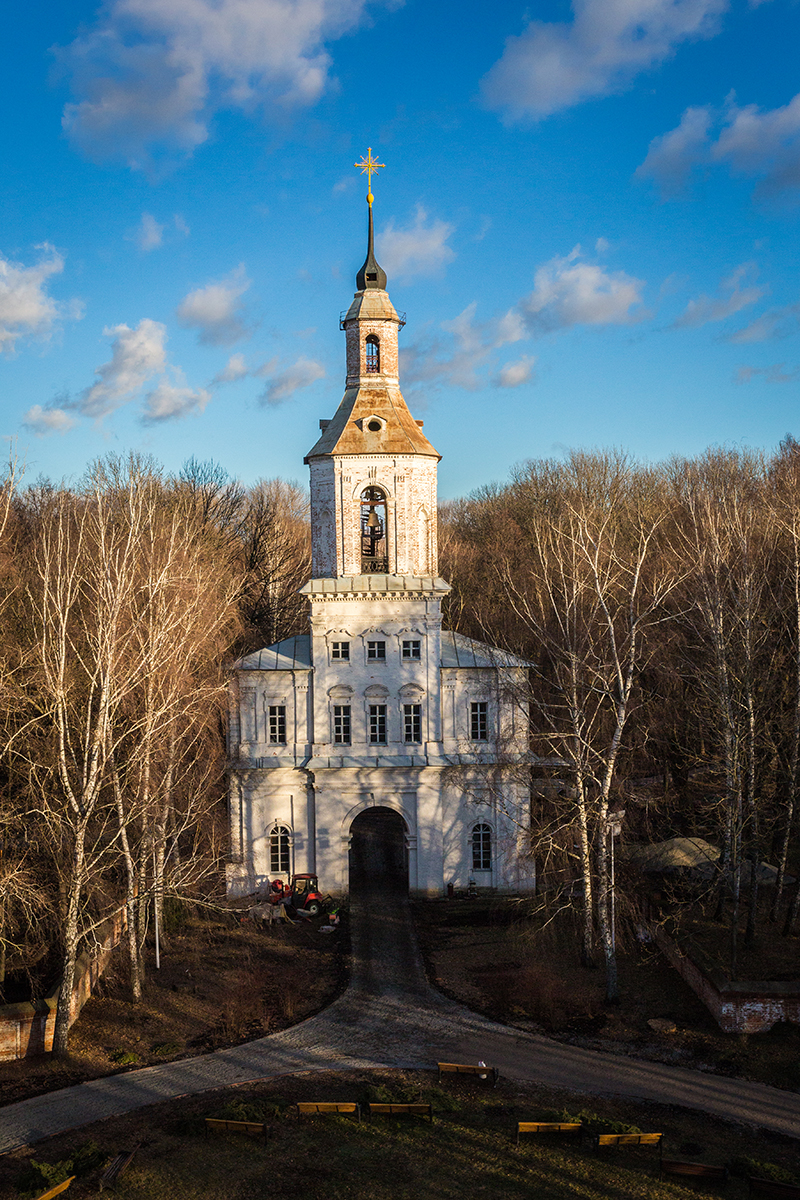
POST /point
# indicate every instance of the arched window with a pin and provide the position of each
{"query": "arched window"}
(481, 848)
(279, 851)
(372, 355)
(374, 560)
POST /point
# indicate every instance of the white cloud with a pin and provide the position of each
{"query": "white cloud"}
(514, 374)
(282, 386)
(168, 401)
(148, 77)
(763, 145)
(773, 374)
(671, 156)
(136, 355)
(569, 292)
(774, 323)
(420, 249)
(555, 65)
(180, 224)
(42, 421)
(150, 234)
(26, 310)
(706, 309)
(457, 359)
(235, 369)
(216, 310)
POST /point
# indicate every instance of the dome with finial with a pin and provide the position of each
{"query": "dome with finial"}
(371, 275)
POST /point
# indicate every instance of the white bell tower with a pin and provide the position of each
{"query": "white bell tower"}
(373, 471)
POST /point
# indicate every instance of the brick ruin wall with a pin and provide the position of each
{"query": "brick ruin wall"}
(27, 1028)
(737, 1007)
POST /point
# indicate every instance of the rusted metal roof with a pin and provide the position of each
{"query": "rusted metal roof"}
(347, 432)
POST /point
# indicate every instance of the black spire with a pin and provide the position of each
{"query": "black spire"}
(371, 275)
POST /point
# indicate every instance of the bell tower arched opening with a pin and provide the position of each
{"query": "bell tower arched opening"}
(372, 355)
(378, 852)
(374, 555)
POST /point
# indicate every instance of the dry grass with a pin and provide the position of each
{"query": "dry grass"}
(468, 1151)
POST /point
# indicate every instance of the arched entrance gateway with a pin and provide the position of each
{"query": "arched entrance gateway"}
(378, 851)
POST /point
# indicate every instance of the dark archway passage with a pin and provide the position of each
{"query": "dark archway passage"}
(378, 854)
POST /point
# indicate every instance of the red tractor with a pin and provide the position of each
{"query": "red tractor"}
(302, 893)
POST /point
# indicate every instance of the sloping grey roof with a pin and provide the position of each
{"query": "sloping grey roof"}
(374, 583)
(460, 651)
(292, 654)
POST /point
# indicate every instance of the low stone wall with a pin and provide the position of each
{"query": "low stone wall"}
(27, 1028)
(750, 1006)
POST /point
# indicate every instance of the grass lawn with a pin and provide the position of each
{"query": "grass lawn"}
(468, 1151)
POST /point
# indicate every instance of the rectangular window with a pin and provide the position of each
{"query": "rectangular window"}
(376, 651)
(340, 650)
(411, 649)
(277, 724)
(478, 713)
(412, 722)
(341, 724)
(377, 724)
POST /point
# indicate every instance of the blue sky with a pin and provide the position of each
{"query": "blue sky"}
(589, 213)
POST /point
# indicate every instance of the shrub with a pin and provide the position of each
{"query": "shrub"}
(38, 1177)
(124, 1058)
(743, 1166)
(548, 998)
(247, 1110)
(592, 1122)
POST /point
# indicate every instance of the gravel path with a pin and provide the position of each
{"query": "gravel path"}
(390, 1017)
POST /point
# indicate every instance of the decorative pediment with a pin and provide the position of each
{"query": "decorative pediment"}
(376, 691)
(411, 692)
(340, 692)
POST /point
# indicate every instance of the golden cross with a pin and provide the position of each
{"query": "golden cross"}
(368, 166)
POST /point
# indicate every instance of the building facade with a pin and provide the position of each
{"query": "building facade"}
(377, 721)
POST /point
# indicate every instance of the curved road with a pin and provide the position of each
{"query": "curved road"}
(390, 1017)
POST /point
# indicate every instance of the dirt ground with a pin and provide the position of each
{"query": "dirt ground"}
(483, 952)
(222, 981)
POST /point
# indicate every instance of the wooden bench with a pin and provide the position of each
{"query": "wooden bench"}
(253, 1128)
(468, 1069)
(401, 1110)
(771, 1187)
(57, 1190)
(117, 1165)
(628, 1139)
(570, 1128)
(309, 1108)
(671, 1166)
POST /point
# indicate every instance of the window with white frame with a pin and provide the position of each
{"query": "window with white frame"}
(478, 720)
(481, 848)
(377, 724)
(376, 651)
(277, 724)
(411, 648)
(340, 651)
(341, 724)
(412, 723)
(279, 843)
